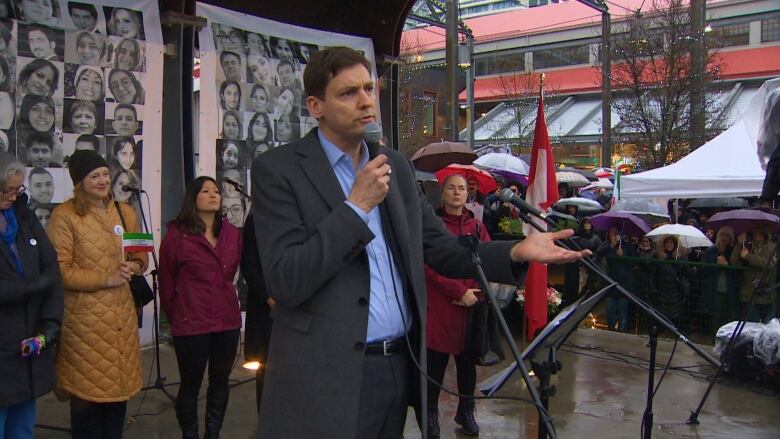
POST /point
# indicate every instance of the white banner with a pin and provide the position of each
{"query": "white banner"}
(251, 91)
(77, 75)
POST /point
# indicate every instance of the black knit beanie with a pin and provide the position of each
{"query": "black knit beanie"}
(82, 162)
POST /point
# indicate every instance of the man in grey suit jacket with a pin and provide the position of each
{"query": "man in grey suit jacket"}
(342, 239)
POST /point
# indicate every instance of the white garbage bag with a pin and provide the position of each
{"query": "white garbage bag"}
(724, 334)
(766, 343)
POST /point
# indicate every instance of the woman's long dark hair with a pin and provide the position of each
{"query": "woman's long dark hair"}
(188, 218)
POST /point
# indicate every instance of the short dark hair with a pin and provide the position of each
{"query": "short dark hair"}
(38, 171)
(126, 107)
(327, 63)
(38, 137)
(91, 138)
(188, 217)
(226, 53)
(44, 30)
(83, 6)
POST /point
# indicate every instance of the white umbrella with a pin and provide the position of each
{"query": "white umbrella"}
(572, 179)
(503, 162)
(585, 206)
(688, 236)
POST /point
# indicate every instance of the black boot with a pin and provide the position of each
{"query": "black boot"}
(215, 414)
(465, 418)
(433, 422)
(188, 422)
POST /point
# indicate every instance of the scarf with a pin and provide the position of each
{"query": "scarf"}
(9, 237)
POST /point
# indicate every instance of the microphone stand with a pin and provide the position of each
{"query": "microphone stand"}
(240, 190)
(759, 289)
(663, 322)
(546, 422)
(159, 382)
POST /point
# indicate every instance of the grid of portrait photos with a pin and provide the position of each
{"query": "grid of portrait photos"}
(71, 77)
(259, 84)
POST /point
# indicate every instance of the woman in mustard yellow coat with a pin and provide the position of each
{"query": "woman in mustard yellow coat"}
(98, 364)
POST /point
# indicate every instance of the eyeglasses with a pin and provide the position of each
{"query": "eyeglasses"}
(15, 192)
(514, 191)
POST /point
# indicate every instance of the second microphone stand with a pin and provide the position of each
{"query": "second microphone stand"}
(159, 382)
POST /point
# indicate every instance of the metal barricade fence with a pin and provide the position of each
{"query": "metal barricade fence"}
(697, 297)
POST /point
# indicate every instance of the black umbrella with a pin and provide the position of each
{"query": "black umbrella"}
(727, 202)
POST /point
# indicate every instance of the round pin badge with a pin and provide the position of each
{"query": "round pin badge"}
(33, 242)
(118, 230)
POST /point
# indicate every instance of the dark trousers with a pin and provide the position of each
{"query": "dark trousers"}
(437, 365)
(96, 420)
(384, 396)
(193, 352)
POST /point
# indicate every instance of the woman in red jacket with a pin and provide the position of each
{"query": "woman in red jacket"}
(448, 302)
(199, 257)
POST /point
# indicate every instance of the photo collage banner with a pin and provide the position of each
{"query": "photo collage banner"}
(251, 93)
(74, 75)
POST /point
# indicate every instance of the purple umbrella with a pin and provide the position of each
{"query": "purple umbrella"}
(743, 220)
(628, 224)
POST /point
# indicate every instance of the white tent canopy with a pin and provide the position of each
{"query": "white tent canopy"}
(726, 166)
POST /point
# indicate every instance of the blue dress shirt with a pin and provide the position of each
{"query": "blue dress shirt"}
(384, 314)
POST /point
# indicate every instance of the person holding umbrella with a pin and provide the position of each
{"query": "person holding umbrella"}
(755, 255)
(720, 299)
(587, 239)
(613, 250)
(671, 280)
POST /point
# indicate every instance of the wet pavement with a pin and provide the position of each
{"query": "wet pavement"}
(601, 393)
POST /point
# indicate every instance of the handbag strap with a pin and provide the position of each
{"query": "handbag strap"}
(122, 219)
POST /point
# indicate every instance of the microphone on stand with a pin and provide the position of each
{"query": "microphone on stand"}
(233, 183)
(372, 134)
(512, 198)
(239, 187)
(131, 188)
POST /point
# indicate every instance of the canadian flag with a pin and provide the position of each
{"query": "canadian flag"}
(542, 193)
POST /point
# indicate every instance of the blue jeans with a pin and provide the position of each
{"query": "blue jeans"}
(17, 421)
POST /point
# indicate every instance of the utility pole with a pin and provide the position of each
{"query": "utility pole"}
(470, 91)
(606, 91)
(606, 80)
(698, 13)
(452, 69)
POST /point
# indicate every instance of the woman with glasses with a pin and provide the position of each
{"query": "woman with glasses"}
(30, 306)
(448, 303)
(199, 257)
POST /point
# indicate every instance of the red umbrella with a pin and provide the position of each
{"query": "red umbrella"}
(438, 155)
(485, 181)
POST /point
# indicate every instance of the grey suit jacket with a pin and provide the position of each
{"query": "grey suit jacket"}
(311, 246)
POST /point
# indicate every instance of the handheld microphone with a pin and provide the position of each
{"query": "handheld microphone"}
(508, 196)
(232, 182)
(372, 134)
(131, 188)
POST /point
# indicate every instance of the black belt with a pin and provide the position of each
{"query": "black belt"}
(386, 347)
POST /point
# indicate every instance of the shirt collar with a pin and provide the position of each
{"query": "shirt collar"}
(335, 154)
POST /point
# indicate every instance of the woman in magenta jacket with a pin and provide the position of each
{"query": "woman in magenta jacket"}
(448, 303)
(199, 257)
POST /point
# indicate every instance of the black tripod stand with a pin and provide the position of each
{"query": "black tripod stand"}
(546, 423)
(760, 289)
(551, 365)
(159, 381)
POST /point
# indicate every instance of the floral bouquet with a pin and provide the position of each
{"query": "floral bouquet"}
(553, 299)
